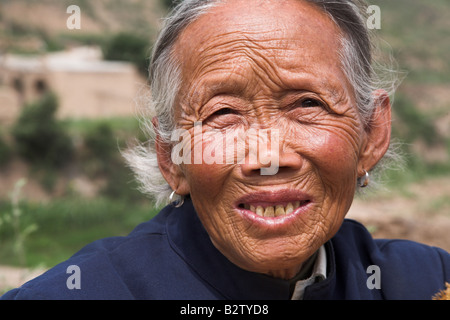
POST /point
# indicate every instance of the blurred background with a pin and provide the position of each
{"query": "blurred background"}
(68, 106)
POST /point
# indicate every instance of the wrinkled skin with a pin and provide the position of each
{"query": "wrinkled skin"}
(272, 64)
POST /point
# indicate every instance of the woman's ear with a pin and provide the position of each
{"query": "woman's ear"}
(377, 133)
(171, 172)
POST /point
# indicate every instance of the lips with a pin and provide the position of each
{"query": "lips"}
(273, 204)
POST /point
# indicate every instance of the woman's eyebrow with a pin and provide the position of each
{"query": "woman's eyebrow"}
(312, 82)
(229, 85)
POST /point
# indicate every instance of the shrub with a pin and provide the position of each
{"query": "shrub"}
(416, 125)
(5, 152)
(100, 142)
(100, 150)
(40, 138)
(102, 158)
(168, 3)
(130, 47)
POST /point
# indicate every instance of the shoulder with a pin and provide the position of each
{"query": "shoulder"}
(100, 269)
(354, 235)
(408, 269)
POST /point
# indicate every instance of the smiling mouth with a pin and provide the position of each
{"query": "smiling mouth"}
(273, 210)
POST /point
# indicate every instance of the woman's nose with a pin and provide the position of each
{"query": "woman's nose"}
(272, 163)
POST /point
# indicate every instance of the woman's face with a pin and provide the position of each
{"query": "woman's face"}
(270, 65)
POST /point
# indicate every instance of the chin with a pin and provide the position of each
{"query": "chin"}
(274, 259)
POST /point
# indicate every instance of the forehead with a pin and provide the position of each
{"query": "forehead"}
(286, 37)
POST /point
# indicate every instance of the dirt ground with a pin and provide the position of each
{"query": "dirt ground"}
(12, 277)
(420, 212)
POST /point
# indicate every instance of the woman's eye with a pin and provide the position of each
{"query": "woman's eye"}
(223, 111)
(216, 116)
(310, 103)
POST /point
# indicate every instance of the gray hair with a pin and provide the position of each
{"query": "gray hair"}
(357, 56)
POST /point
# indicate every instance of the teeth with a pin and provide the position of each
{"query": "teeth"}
(269, 212)
(289, 208)
(259, 211)
(279, 211)
(274, 211)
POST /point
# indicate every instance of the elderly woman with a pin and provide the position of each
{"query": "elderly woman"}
(279, 119)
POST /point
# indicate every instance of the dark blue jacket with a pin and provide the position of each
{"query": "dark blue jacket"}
(172, 257)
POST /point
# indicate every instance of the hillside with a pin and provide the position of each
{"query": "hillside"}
(36, 26)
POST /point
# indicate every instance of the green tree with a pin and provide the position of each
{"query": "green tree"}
(5, 152)
(130, 47)
(39, 137)
(168, 3)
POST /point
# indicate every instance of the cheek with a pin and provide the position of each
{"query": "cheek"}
(336, 160)
(206, 178)
(334, 154)
(199, 175)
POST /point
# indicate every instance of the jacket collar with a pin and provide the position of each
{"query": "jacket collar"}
(190, 240)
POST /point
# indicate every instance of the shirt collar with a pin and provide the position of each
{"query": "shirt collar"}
(319, 273)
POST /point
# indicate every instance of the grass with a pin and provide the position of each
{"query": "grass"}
(66, 225)
(122, 126)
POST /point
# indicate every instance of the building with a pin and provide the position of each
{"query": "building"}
(86, 85)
